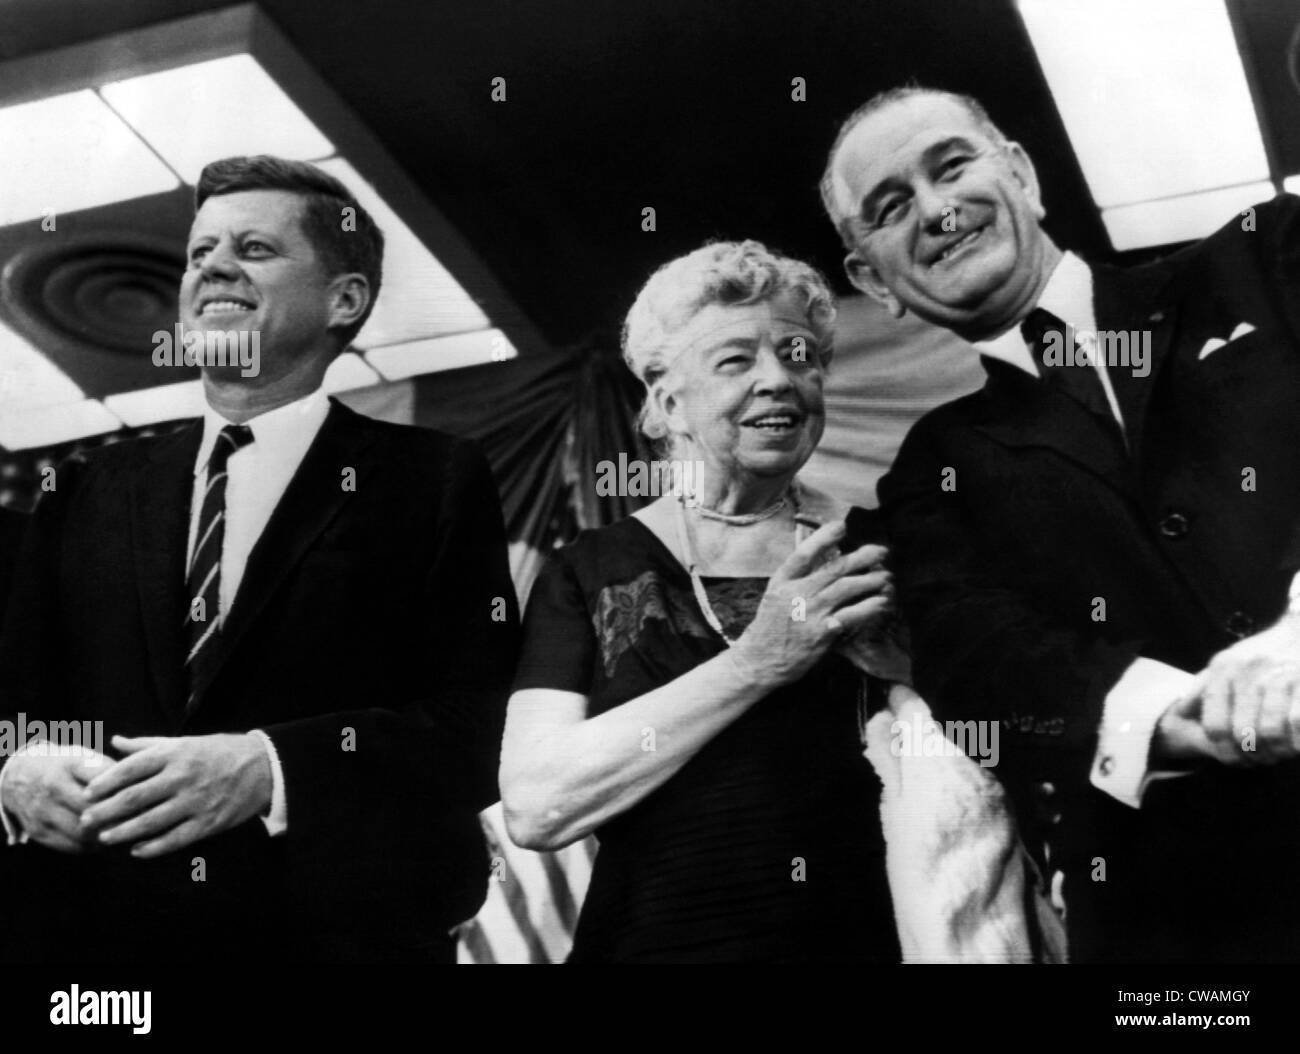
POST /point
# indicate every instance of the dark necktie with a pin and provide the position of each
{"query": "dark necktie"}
(1076, 379)
(203, 580)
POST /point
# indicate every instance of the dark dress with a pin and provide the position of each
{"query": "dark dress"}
(766, 845)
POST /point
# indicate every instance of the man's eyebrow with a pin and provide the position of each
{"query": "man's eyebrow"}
(929, 156)
(257, 232)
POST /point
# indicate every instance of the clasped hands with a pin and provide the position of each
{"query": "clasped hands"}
(1245, 707)
(165, 793)
(821, 600)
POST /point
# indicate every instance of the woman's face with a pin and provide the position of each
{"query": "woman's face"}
(745, 393)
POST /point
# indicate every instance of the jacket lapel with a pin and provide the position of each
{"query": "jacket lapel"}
(1022, 411)
(161, 492)
(1137, 302)
(311, 501)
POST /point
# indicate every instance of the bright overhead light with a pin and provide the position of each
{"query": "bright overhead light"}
(419, 297)
(71, 152)
(348, 372)
(28, 428)
(165, 402)
(397, 361)
(28, 379)
(1152, 93)
(1181, 219)
(1291, 184)
(199, 113)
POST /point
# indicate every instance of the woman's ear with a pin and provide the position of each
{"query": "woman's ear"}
(669, 405)
(865, 278)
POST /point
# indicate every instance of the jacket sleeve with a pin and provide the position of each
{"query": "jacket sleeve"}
(982, 650)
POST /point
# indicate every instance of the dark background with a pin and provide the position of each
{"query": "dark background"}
(615, 105)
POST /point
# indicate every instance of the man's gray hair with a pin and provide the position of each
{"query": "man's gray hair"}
(843, 218)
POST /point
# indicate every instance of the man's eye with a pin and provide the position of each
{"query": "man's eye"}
(255, 246)
(890, 212)
(198, 252)
(953, 165)
(734, 360)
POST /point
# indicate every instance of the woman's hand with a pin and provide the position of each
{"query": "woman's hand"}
(816, 598)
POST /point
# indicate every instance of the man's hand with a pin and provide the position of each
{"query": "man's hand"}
(1245, 708)
(46, 793)
(169, 792)
(1251, 692)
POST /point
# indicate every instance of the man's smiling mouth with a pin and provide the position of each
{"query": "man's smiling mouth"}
(969, 238)
(224, 306)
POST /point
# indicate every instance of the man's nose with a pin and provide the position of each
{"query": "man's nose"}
(219, 261)
(933, 208)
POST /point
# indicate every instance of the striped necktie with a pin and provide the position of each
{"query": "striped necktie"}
(203, 580)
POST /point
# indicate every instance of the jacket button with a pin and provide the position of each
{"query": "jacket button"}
(1174, 525)
(1240, 624)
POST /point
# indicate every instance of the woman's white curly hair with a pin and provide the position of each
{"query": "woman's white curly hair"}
(727, 273)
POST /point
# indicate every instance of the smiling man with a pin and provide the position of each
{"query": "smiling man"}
(1102, 559)
(296, 624)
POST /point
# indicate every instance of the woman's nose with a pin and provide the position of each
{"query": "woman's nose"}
(771, 372)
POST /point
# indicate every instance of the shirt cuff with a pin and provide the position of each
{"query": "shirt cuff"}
(277, 820)
(13, 836)
(1133, 708)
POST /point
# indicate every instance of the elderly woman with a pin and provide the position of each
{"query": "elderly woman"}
(691, 683)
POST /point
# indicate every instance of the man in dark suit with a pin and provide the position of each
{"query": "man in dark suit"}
(296, 625)
(1099, 549)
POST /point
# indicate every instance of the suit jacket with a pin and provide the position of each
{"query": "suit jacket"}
(11, 533)
(373, 638)
(1050, 557)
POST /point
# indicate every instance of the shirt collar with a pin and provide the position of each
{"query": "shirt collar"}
(285, 431)
(1067, 295)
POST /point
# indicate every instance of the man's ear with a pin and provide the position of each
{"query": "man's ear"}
(1023, 170)
(864, 278)
(349, 298)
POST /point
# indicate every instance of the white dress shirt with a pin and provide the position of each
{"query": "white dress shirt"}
(1147, 688)
(258, 475)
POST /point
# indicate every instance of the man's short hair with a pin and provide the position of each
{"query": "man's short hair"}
(880, 101)
(358, 248)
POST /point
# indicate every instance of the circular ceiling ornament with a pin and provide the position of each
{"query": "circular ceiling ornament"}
(99, 291)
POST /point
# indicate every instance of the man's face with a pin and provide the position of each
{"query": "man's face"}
(251, 267)
(945, 219)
